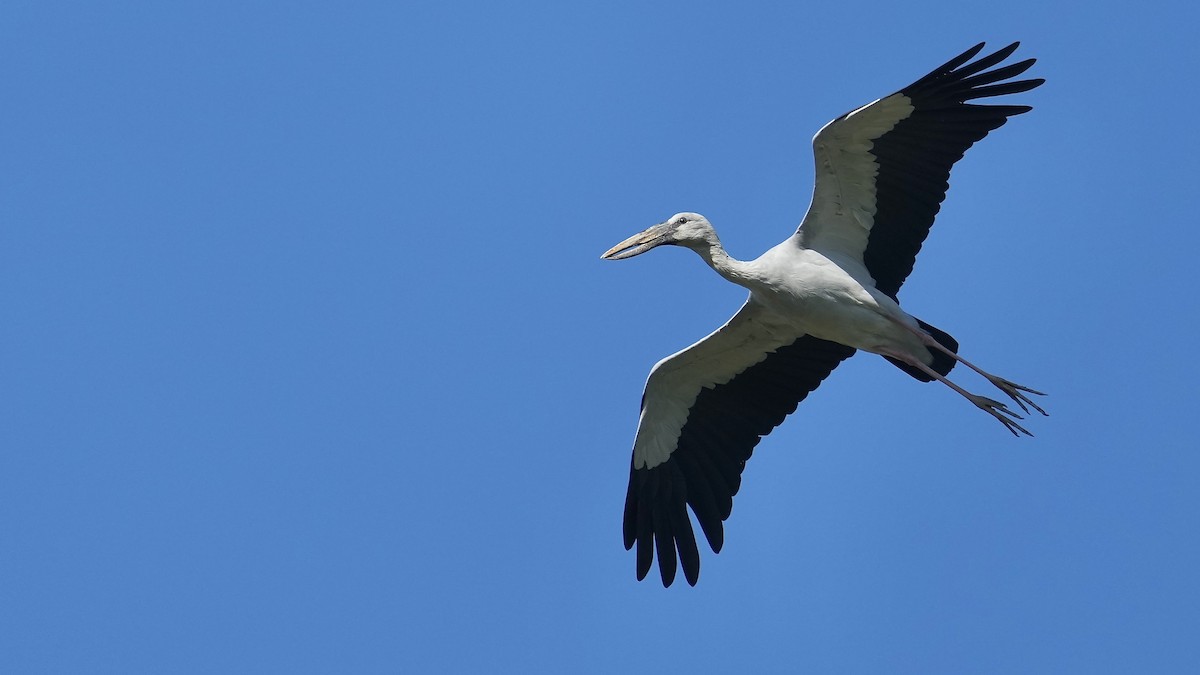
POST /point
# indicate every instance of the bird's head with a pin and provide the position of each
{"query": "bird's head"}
(682, 229)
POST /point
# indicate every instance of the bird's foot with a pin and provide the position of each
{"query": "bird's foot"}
(1001, 412)
(1015, 392)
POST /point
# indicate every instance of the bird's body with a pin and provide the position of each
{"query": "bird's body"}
(814, 299)
(794, 291)
(804, 291)
(830, 297)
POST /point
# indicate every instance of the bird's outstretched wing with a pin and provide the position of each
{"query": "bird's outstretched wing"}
(882, 170)
(704, 410)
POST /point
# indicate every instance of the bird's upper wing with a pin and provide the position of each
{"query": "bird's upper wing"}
(704, 410)
(882, 170)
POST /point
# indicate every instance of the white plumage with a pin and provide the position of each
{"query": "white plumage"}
(825, 292)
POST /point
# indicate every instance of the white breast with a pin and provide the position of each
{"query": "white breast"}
(831, 298)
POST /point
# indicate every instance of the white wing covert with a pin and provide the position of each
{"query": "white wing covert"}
(882, 170)
(704, 410)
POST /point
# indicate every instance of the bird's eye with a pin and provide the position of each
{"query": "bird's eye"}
(681, 221)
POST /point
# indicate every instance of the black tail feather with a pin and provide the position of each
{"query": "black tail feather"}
(942, 362)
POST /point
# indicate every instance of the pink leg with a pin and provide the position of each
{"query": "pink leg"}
(1010, 389)
(992, 407)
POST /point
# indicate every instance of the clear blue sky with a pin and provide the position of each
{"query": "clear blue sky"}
(308, 362)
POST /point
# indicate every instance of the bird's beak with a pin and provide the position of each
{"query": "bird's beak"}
(639, 243)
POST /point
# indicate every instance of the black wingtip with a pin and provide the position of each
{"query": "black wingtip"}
(960, 59)
(716, 540)
(962, 67)
(970, 53)
(667, 573)
(664, 544)
(668, 578)
(1005, 52)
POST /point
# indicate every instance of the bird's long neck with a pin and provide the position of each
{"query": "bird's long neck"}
(726, 265)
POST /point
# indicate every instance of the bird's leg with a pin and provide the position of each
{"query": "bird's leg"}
(992, 407)
(1010, 388)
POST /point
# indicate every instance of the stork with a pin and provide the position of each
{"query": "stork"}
(825, 292)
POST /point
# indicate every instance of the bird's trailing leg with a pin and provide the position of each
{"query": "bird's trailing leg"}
(1011, 389)
(992, 407)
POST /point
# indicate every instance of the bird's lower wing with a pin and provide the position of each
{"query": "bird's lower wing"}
(704, 410)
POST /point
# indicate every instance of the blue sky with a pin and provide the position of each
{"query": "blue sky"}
(310, 364)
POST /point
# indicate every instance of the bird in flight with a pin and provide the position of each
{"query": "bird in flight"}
(826, 291)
